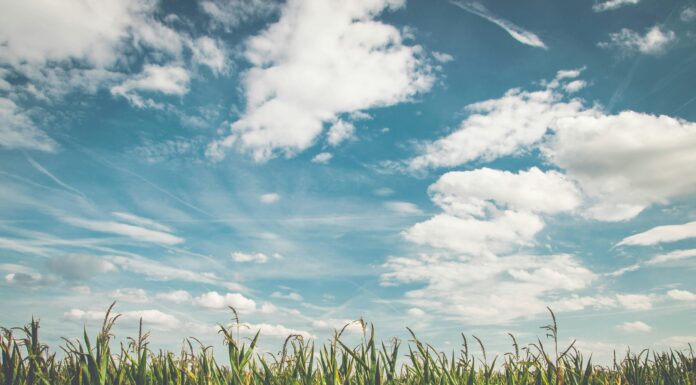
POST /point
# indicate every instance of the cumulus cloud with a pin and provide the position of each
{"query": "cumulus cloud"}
(339, 132)
(403, 208)
(635, 301)
(176, 296)
(688, 14)
(151, 317)
(322, 157)
(486, 291)
(500, 127)
(635, 327)
(273, 330)
(611, 5)
(654, 42)
(490, 211)
(166, 80)
(210, 52)
(269, 198)
(661, 234)
(132, 295)
(214, 300)
(681, 295)
(517, 33)
(321, 59)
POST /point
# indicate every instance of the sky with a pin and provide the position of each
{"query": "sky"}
(452, 166)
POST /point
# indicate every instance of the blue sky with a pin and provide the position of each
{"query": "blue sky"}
(449, 166)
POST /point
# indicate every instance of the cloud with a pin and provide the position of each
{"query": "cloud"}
(490, 211)
(210, 52)
(176, 296)
(131, 295)
(661, 234)
(138, 233)
(654, 42)
(273, 330)
(167, 80)
(485, 291)
(403, 208)
(635, 301)
(18, 131)
(339, 132)
(677, 255)
(517, 33)
(292, 296)
(500, 127)
(624, 162)
(79, 267)
(241, 257)
(151, 317)
(443, 57)
(635, 327)
(681, 295)
(230, 14)
(213, 300)
(333, 324)
(140, 221)
(611, 5)
(269, 198)
(321, 59)
(161, 272)
(688, 14)
(322, 158)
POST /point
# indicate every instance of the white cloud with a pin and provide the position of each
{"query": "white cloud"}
(167, 80)
(654, 42)
(241, 257)
(476, 192)
(18, 131)
(273, 330)
(415, 312)
(213, 300)
(677, 255)
(500, 127)
(268, 308)
(140, 221)
(339, 132)
(635, 301)
(134, 232)
(150, 317)
(442, 57)
(132, 295)
(575, 86)
(681, 295)
(229, 14)
(610, 5)
(625, 162)
(292, 296)
(333, 324)
(269, 198)
(210, 52)
(517, 33)
(319, 60)
(688, 14)
(161, 272)
(661, 234)
(176, 296)
(490, 211)
(485, 291)
(403, 208)
(322, 157)
(635, 327)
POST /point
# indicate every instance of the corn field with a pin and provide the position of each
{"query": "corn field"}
(25, 360)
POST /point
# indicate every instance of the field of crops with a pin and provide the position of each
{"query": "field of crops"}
(25, 360)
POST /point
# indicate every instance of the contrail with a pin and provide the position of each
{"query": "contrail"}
(517, 33)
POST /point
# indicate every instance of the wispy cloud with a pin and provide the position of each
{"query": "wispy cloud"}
(517, 33)
(655, 41)
(134, 232)
(611, 5)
